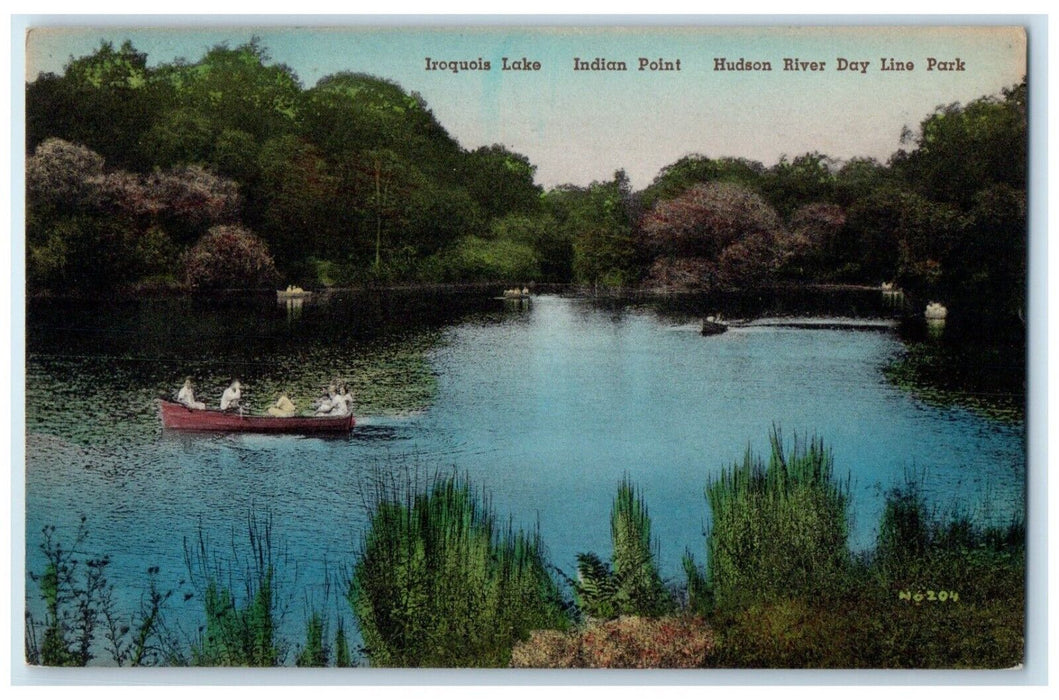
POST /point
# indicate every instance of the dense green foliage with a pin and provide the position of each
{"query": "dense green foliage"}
(353, 171)
(933, 593)
(778, 528)
(783, 591)
(600, 222)
(437, 583)
(631, 585)
(354, 180)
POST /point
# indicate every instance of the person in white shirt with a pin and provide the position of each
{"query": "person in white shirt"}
(343, 404)
(326, 403)
(230, 397)
(338, 403)
(186, 396)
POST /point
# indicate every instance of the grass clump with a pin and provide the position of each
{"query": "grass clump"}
(778, 528)
(315, 653)
(633, 586)
(238, 631)
(914, 547)
(955, 590)
(343, 657)
(438, 584)
(933, 593)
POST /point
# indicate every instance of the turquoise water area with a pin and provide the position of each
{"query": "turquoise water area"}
(543, 405)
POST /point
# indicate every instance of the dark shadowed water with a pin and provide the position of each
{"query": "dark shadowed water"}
(543, 405)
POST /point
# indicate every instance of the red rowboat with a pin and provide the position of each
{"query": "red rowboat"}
(177, 416)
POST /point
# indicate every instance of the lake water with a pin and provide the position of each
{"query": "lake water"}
(544, 406)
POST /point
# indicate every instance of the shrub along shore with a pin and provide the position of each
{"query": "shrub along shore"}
(440, 581)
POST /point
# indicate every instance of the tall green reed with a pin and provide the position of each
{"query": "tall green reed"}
(779, 528)
(915, 546)
(439, 583)
(343, 656)
(315, 652)
(239, 630)
(631, 584)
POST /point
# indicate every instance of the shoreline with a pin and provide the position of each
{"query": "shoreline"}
(458, 287)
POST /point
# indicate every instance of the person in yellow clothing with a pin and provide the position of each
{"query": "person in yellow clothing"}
(283, 408)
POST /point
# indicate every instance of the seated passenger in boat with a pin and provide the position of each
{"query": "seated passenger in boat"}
(186, 396)
(283, 408)
(326, 403)
(231, 396)
(342, 405)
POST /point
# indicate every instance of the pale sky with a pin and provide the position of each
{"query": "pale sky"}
(580, 126)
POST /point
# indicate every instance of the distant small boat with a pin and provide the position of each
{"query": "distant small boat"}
(292, 292)
(935, 311)
(177, 416)
(712, 326)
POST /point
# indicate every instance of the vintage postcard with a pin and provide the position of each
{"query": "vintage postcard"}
(485, 345)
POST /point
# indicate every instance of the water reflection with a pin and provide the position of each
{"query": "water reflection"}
(517, 303)
(294, 307)
(796, 302)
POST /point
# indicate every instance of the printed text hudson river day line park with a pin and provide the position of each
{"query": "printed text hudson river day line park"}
(719, 64)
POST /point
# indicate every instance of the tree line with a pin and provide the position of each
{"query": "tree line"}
(145, 177)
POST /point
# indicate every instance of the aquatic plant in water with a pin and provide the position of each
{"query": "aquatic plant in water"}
(237, 632)
(778, 528)
(438, 583)
(633, 586)
(80, 618)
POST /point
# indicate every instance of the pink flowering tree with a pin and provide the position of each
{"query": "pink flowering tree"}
(815, 243)
(63, 175)
(712, 235)
(192, 199)
(89, 228)
(229, 257)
